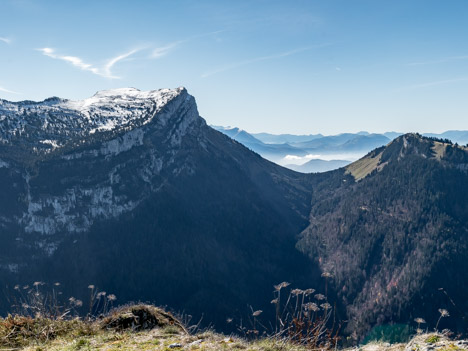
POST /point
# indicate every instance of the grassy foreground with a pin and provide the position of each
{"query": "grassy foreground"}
(145, 327)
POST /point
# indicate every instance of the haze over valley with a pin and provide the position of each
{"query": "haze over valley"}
(319, 153)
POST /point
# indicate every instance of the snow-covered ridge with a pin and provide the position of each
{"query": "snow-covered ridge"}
(54, 121)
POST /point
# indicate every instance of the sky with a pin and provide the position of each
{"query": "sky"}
(296, 66)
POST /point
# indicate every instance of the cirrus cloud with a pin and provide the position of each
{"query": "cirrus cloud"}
(5, 90)
(5, 40)
(104, 71)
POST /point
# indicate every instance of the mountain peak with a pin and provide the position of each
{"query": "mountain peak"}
(412, 144)
(122, 98)
(406, 145)
(136, 93)
(55, 122)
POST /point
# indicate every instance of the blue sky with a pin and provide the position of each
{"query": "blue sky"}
(277, 66)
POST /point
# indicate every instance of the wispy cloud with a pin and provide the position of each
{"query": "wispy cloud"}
(258, 59)
(4, 90)
(196, 36)
(104, 71)
(5, 40)
(75, 61)
(442, 60)
(434, 83)
(164, 50)
(113, 61)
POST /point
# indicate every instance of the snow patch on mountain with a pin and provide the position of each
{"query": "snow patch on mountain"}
(53, 122)
(52, 143)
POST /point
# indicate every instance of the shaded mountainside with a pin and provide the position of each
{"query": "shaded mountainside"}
(392, 228)
(164, 209)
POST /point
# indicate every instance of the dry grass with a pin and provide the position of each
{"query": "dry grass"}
(138, 327)
(19, 331)
(146, 327)
(159, 340)
(439, 149)
(363, 167)
(28, 334)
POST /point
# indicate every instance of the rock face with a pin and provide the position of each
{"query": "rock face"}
(133, 192)
(67, 158)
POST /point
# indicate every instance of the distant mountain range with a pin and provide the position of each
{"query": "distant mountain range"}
(319, 153)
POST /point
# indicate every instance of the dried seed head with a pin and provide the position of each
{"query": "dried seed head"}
(419, 320)
(444, 313)
(275, 301)
(320, 297)
(308, 292)
(296, 292)
(91, 286)
(327, 275)
(111, 297)
(311, 307)
(257, 313)
(281, 286)
(325, 306)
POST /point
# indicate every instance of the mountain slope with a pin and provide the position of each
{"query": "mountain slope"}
(392, 228)
(137, 195)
